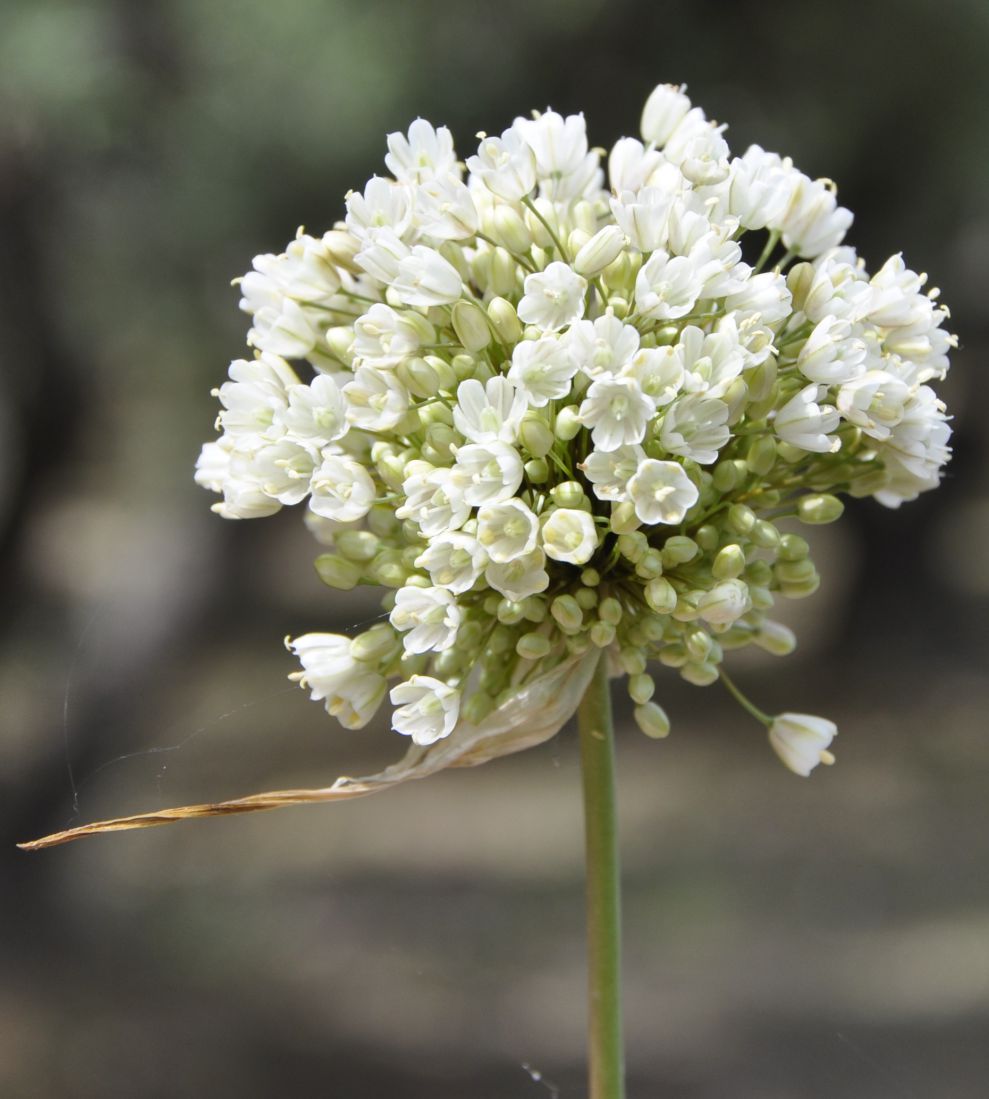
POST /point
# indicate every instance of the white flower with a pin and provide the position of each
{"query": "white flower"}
(453, 560)
(491, 472)
(213, 465)
(425, 154)
(283, 470)
(643, 215)
(711, 361)
(383, 336)
(553, 298)
(507, 530)
(542, 370)
(341, 489)
(696, 427)
(430, 616)
(566, 170)
(666, 287)
(445, 210)
(725, 603)
(802, 740)
(665, 109)
(376, 399)
(617, 411)
(813, 222)
(896, 298)
(602, 346)
(759, 188)
(632, 166)
(505, 165)
(427, 709)
(384, 204)
(287, 330)
(609, 471)
(425, 278)
(489, 413)
(304, 271)
(315, 412)
(434, 500)
(876, 402)
(353, 691)
(831, 354)
(381, 254)
(256, 393)
(519, 578)
(570, 535)
(661, 492)
(806, 424)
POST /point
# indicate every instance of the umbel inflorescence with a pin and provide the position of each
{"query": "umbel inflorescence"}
(550, 415)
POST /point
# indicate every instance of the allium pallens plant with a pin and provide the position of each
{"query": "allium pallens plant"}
(569, 425)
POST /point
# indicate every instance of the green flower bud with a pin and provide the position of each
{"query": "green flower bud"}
(577, 239)
(471, 325)
(567, 425)
(510, 230)
(578, 644)
(633, 660)
(375, 645)
(641, 688)
(382, 522)
(602, 634)
(569, 494)
(761, 455)
(505, 320)
(789, 453)
(793, 547)
(505, 273)
(342, 247)
(729, 563)
(535, 435)
(598, 252)
(707, 537)
(610, 610)
(776, 638)
(537, 471)
(633, 546)
(673, 656)
(465, 366)
(358, 546)
(502, 640)
(741, 518)
(765, 535)
(590, 578)
(623, 518)
(387, 569)
(532, 646)
(794, 572)
(661, 595)
(678, 550)
(802, 588)
(762, 379)
(587, 598)
(534, 609)
(337, 572)
(477, 707)
(566, 610)
(761, 596)
(700, 674)
(819, 509)
(758, 572)
(799, 280)
(650, 564)
(340, 341)
(510, 613)
(652, 720)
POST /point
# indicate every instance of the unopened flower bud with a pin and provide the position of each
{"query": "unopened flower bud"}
(567, 613)
(375, 644)
(567, 424)
(793, 547)
(802, 741)
(337, 572)
(535, 434)
(725, 603)
(641, 688)
(661, 595)
(650, 564)
(340, 341)
(633, 545)
(678, 550)
(471, 325)
(652, 720)
(587, 598)
(761, 455)
(741, 518)
(624, 520)
(532, 646)
(603, 248)
(590, 578)
(819, 509)
(700, 674)
(505, 320)
(799, 280)
(510, 613)
(602, 634)
(729, 563)
(358, 546)
(342, 247)
(775, 638)
(510, 230)
(569, 494)
(765, 535)
(537, 471)
(610, 610)
(633, 661)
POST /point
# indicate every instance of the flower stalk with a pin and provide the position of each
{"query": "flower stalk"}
(606, 1055)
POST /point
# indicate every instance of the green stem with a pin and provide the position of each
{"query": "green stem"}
(606, 1054)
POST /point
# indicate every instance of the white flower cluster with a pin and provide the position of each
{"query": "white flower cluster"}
(549, 415)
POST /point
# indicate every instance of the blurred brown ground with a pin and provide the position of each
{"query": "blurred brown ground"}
(785, 939)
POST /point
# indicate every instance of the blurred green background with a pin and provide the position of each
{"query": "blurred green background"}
(786, 939)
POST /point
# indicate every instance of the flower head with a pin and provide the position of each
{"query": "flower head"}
(549, 418)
